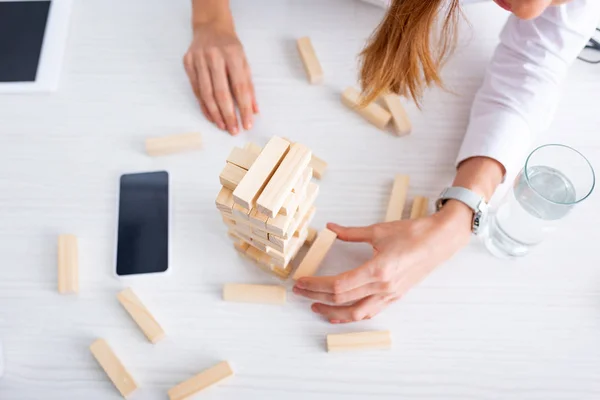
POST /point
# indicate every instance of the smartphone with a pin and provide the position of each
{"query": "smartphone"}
(143, 224)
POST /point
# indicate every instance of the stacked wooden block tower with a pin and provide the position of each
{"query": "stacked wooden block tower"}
(267, 202)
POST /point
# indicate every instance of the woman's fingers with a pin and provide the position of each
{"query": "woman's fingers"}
(242, 90)
(355, 278)
(363, 309)
(222, 92)
(207, 92)
(352, 234)
(347, 297)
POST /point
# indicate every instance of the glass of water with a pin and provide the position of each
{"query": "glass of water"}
(554, 179)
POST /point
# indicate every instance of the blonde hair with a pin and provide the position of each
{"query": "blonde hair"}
(406, 51)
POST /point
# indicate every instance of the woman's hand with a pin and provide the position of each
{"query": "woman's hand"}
(405, 252)
(220, 75)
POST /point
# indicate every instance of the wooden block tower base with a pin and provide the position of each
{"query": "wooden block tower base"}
(269, 210)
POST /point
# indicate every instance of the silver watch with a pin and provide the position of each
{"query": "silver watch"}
(474, 201)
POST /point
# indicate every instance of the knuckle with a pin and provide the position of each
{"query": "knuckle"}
(241, 88)
(188, 60)
(221, 95)
(337, 299)
(357, 315)
(383, 275)
(338, 287)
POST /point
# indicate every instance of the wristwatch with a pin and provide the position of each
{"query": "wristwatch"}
(474, 201)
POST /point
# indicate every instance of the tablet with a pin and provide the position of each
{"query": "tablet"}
(33, 37)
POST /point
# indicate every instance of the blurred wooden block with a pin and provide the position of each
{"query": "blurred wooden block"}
(397, 199)
(311, 236)
(420, 207)
(254, 253)
(315, 255)
(400, 119)
(241, 247)
(242, 158)
(359, 341)
(310, 61)
(231, 176)
(68, 264)
(224, 200)
(113, 367)
(257, 219)
(285, 226)
(373, 112)
(244, 293)
(240, 212)
(173, 144)
(281, 184)
(253, 148)
(140, 314)
(260, 233)
(318, 167)
(190, 388)
(260, 172)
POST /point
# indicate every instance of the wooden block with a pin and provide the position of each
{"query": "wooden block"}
(303, 182)
(240, 212)
(282, 225)
(312, 235)
(254, 253)
(309, 59)
(228, 221)
(231, 176)
(318, 167)
(224, 200)
(258, 219)
(315, 255)
(359, 341)
(68, 264)
(241, 247)
(260, 172)
(400, 119)
(297, 195)
(140, 314)
(260, 233)
(242, 158)
(253, 148)
(188, 389)
(173, 144)
(243, 293)
(113, 367)
(373, 112)
(420, 207)
(287, 174)
(397, 199)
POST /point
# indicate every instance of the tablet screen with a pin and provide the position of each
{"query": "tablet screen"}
(22, 27)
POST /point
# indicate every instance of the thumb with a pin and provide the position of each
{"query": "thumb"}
(352, 234)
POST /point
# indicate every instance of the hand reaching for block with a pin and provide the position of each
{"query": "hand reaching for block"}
(220, 76)
(404, 252)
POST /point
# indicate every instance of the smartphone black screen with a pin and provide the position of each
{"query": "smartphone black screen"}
(143, 234)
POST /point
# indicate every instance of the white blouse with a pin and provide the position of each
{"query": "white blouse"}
(521, 89)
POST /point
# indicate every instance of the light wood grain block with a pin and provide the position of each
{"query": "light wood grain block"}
(258, 219)
(310, 61)
(140, 314)
(189, 389)
(281, 184)
(231, 176)
(400, 119)
(318, 167)
(241, 246)
(260, 233)
(165, 145)
(284, 226)
(240, 212)
(254, 253)
(311, 236)
(373, 112)
(113, 367)
(420, 207)
(224, 200)
(359, 341)
(68, 264)
(244, 293)
(257, 177)
(253, 148)
(242, 158)
(296, 196)
(315, 255)
(397, 198)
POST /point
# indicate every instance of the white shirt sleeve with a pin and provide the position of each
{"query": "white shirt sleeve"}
(521, 89)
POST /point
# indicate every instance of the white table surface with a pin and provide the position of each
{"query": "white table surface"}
(477, 328)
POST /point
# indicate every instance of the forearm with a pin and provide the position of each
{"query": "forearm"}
(211, 11)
